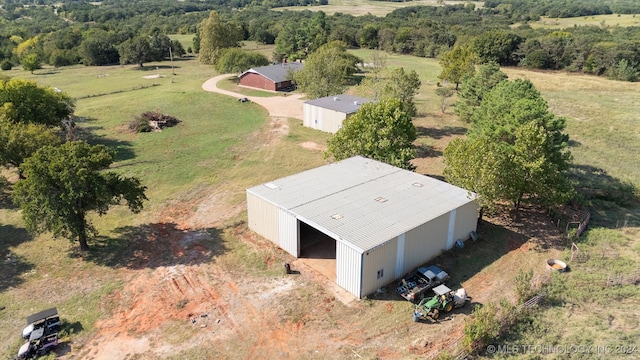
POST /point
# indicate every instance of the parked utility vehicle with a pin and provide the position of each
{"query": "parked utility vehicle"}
(414, 287)
(41, 334)
(445, 300)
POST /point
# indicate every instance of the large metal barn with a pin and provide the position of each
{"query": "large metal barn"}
(377, 221)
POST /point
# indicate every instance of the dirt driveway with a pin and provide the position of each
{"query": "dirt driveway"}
(277, 106)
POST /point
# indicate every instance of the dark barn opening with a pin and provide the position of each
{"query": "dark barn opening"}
(318, 250)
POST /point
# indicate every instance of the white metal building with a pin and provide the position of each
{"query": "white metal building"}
(328, 113)
(385, 221)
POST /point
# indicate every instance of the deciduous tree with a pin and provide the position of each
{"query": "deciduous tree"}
(215, 35)
(391, 83)
(235, 60)
(135, 51)
(327, 71)
(64, 184)
(24, 101)
(457, 63)
(19, 141)
(31, 62)
(382, 131)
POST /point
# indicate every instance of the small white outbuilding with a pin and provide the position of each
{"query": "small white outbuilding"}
(384, 221)
(328, 113)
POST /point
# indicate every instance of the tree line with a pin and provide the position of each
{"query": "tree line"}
(118, 31)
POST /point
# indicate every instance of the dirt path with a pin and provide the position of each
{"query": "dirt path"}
(277, 106)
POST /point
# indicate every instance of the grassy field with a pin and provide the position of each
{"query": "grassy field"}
(364, 7)
(596, 20)
(218, 148)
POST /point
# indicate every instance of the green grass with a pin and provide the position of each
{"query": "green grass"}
(224, 145)
(596, 20)
(364, 7)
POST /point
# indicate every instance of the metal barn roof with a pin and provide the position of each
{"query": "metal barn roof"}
(276, 73)
(344, 103)
(363, 202)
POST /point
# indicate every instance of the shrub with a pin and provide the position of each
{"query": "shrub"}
(522, 285)
(6, 65)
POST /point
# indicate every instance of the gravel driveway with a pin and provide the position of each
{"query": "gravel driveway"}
(282, 106)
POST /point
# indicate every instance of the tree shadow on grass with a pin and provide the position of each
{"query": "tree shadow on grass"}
(610, 200)
(87, 132)
(439, 133)
(426, 151)
(154, 245)
(12, 266)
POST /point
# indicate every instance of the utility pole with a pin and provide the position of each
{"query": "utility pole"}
(171, 57)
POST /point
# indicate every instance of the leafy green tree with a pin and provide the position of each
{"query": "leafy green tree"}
(159, 45)
(300, 37)
(19, 141)
(382, 131)
(99, 47)
(391, 83)
(473, 89)
(24, 101)
(215, 35)
(515, 150)
(135, 51)
(457, 63)
(327, 71)
(31, 62)
(496, 46)
(64, 184)
(177, 50)
(368, 37)
(235, 60)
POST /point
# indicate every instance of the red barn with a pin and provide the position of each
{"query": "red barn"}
(271, 77)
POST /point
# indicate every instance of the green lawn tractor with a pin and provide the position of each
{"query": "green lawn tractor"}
(445, 300)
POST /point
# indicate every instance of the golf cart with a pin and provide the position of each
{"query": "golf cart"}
(47, 319)
(445, 300)
(41, 334)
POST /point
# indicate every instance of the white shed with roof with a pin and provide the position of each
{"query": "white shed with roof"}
(385, 221)
(328, 113)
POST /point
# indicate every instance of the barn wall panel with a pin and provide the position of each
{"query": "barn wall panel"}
(263, 217)
(379, 266)
(425, 242)
(289, 232)
(466, 221)
(349, 269)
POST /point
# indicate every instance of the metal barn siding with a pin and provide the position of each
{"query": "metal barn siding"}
(349, 269)
(425, 242)
(312, 117)
(263, 217)
(466, 221)
(289, 231)
(379, 266)
(323, 119)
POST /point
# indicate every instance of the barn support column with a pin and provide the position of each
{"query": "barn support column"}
(400, 257)
(452, 228)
